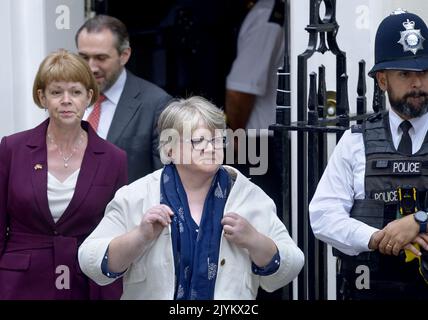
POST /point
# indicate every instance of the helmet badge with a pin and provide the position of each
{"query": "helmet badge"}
(411, 39)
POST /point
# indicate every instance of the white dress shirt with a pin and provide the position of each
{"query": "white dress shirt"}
(108, 107)
(343, 181)
(260, 53)
(60, 193)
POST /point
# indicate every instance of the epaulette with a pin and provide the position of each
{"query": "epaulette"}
(357, 128)
(375, 117)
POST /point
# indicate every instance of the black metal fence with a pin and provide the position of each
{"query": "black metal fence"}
(312, 126)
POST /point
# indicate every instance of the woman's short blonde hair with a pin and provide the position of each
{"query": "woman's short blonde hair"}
(62, 65)
(191, 111)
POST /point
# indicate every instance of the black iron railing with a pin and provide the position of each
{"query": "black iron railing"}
(311, 128)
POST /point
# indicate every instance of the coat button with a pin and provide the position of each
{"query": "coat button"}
(55, 232)
(222, 262)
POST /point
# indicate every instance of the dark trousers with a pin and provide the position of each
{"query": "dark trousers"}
(393, 282)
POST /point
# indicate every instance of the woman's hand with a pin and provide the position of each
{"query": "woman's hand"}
(154, 220)
(124, 249)
(240, 232)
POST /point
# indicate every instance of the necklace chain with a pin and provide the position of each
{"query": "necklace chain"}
(61, 153)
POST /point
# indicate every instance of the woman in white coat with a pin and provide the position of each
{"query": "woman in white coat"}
(194, 229)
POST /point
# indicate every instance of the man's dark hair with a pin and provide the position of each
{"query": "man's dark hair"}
(102, 22)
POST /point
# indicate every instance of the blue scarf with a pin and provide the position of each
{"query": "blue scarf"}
(195, 249)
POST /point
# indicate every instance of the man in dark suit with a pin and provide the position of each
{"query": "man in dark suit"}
(129, 107)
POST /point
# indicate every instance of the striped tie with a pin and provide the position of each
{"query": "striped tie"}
(94, 117)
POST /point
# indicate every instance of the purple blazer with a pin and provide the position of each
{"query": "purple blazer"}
(38, 257)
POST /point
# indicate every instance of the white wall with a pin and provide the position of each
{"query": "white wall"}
(31, 29)
(28, 43)
(22, 27)
(6, 110)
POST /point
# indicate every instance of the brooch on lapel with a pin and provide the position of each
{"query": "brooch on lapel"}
(38, 166)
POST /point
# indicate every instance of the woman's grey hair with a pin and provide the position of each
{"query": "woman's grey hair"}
(186, 114)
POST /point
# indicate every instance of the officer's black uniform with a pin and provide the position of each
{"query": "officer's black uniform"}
(389, 175)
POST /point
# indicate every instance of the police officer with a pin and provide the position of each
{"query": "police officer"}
(371, 200)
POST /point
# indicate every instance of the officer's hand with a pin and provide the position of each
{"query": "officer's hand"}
(413, 249)
(424, 236)
(422, 240)
(398, 234)
(375, 239)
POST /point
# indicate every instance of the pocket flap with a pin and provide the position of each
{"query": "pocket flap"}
(15, 261)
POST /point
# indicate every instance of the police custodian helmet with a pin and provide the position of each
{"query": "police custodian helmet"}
(401, 43)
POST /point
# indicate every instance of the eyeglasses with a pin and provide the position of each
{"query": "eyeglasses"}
(201, 143)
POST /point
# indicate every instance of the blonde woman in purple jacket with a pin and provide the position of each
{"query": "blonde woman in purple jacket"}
(55, 182)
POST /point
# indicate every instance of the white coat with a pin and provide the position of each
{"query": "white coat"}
(152, 275)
